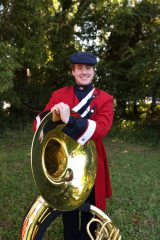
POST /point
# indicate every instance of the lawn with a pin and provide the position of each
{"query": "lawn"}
(134, 159)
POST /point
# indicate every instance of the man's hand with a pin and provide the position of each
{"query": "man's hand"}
(60, 111)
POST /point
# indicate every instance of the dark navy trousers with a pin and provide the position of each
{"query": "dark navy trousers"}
(75, 222)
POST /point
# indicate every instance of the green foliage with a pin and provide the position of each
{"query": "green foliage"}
(40, 36)
(36, 31)
(126, 39)
(8, 64)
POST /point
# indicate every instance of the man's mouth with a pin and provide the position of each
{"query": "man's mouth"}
(84, 78)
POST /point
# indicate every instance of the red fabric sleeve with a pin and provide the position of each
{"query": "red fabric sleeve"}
(103, 118)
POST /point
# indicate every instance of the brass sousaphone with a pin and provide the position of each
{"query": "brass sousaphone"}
(64, 172)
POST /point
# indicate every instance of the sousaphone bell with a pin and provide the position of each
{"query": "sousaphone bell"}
(64, 170)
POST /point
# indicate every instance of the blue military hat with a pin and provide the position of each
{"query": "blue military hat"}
(83, 58)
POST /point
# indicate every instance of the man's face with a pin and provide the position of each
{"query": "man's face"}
(83, 74)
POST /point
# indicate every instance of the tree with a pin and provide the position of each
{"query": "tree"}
(8, 65)
(43, 34)
(39, 37)
(125, 36)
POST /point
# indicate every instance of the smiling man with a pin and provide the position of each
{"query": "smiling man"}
(95, 108)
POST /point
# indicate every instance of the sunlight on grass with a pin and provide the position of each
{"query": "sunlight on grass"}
(126, 123)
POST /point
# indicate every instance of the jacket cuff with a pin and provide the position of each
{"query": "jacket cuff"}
(91, 127)
(80, 129)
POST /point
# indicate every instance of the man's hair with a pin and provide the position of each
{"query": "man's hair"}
(72, 66)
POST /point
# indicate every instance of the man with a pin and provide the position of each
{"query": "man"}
(96, 110)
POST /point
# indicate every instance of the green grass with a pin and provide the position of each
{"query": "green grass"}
(134, 158)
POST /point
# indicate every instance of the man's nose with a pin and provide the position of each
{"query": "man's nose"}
(84, 70)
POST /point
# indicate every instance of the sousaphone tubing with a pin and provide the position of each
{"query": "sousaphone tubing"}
(64, 172)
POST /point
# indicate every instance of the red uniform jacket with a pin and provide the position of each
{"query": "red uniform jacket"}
(95, 127)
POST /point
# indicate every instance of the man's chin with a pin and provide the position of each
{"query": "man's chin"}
(85, 82)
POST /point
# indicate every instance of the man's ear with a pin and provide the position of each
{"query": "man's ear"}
(73, 72)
